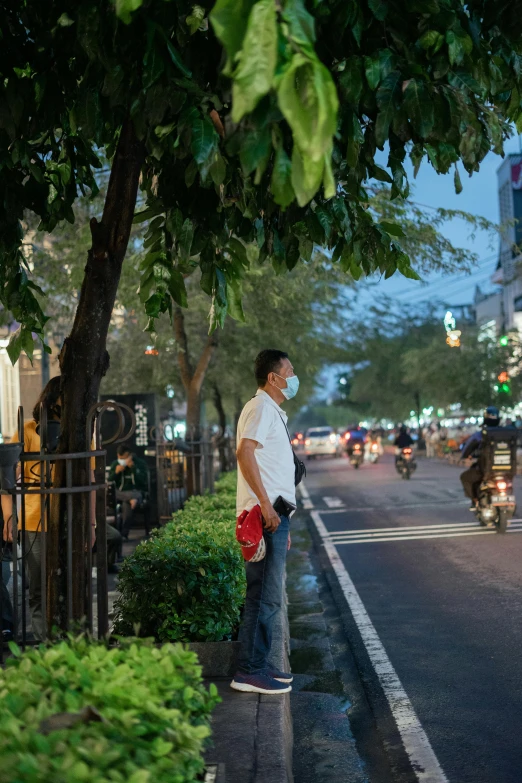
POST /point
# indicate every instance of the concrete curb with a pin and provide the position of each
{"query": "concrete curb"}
(275, 736)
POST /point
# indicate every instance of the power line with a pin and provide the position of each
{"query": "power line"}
(445, 281)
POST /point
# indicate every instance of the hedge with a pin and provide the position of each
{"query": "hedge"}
(80, 711)
(186, 583)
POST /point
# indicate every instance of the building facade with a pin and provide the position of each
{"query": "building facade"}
(509, 272)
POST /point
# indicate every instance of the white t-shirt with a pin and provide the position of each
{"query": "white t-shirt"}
(264, 421)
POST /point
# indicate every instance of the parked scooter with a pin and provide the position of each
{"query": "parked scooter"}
(405, 463)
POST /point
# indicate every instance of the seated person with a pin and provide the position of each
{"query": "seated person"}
(471, 479)
(402, 441)
(130, 476)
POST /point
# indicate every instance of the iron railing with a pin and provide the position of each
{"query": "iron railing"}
(40, 465)
(187, 467)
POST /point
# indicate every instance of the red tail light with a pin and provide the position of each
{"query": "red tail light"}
(407, 451)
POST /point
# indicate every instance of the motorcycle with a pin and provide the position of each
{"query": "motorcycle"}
(356, 455)
(405, 464)
(373, 453)
(496, 503)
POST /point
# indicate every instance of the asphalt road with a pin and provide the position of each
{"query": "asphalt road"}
(446, 603)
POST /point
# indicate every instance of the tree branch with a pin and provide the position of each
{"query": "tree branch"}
(183, 352)
(204, 361)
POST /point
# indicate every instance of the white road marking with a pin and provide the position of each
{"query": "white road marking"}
(416, 743)
(424, 537)
(400, 508)
(402, 528)
(334, 502)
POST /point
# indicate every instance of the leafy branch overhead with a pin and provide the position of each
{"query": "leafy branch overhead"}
(259, 123)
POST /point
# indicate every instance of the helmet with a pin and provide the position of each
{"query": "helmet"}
(492, 416)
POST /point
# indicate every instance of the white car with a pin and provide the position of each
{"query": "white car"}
(322, 441)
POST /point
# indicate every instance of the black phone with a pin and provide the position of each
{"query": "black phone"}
(283, 507)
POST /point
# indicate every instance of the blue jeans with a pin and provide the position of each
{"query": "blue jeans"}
(263, 601)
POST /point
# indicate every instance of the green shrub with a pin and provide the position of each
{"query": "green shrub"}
(187, 582)
(150, 711)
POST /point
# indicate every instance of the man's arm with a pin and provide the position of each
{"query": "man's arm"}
(249, 468)
(471, 445)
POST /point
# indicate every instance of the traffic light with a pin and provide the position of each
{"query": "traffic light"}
(504, 340)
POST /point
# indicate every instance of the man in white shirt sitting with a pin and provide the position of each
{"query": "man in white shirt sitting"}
(265, 476)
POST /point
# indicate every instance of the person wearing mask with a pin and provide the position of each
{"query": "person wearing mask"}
(471, 478)
(266, 477)
(130, 475)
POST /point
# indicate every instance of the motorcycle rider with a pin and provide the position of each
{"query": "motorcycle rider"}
(402, 441)
(374, 436)
(472, 477)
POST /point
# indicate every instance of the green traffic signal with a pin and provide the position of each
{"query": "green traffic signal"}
(505, 387)
(504, 340)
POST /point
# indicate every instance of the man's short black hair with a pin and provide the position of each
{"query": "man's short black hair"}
(123, 449)
(267, 361)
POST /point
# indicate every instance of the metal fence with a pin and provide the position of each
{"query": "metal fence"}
(189, 467)
(37, 506)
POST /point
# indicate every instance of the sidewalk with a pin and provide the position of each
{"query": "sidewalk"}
(252, 734)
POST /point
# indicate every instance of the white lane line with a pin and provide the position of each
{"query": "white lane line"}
(334, 502)
(416, 743)
(443, 525)
(304, 492)
(425, 537)
(399, 508)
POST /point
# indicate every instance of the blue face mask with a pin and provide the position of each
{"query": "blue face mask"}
(292, 386)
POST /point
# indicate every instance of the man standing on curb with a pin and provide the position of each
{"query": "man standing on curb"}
(265, 477)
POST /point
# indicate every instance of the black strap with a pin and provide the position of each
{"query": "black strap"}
(286, 428)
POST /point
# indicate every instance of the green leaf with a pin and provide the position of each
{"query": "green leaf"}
(256, 61)
(392, 228)
(351, 80)
(235, 307)
(418, 104)
(281, 182)
(229, 18)
(308, 100)
(195, 19)
(372, 69)
(379, 8)
(306, 178)
(204, 144)
(255, 149)
(14, 348)
(380, 174)
(185, 239)
(124, 9)
(177, 288)
(218, 169)
(431, 39)
(176, 59)
(386, 97)
(301, 23)
(457, 181)
(329, 186)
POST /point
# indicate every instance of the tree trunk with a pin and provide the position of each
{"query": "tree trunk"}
(193, 382)
(222, 440)
(83, 362)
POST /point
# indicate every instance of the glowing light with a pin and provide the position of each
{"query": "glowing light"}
(333, 438)
(504, 340)
(343, 381)
(453, 334)
(503, 377)
(151, 351)
(502, 485)
(347, 436)
(307, 442)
